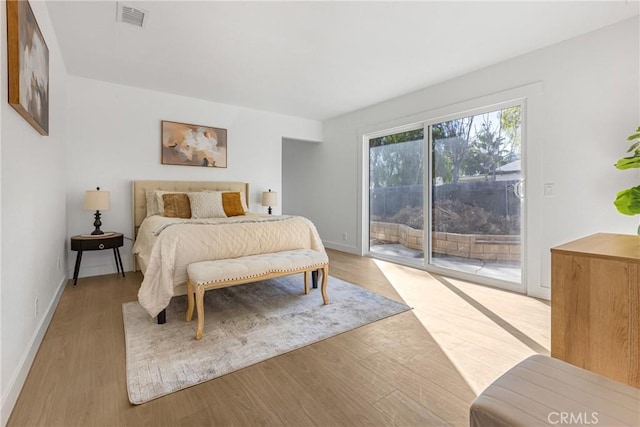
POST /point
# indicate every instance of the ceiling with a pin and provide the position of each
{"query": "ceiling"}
(311, 59)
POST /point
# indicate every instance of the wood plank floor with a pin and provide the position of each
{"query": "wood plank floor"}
(422, 367)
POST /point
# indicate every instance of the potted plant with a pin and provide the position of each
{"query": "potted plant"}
(628, 201)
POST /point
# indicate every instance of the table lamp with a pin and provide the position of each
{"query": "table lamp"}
(269, 198)
(96, 200)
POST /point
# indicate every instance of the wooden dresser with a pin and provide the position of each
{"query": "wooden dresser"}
(595, 305)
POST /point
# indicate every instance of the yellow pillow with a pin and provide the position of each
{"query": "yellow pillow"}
(176, 205)
(232, 204)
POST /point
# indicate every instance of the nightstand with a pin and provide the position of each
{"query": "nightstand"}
(97, 243)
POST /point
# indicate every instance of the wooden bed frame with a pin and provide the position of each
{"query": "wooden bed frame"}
(139, 199)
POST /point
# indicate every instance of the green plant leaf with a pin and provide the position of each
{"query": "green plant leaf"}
(634, 147)
(628, 201)
(634, 136)
(628, 162)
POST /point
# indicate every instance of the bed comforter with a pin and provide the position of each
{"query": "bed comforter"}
(167, 245)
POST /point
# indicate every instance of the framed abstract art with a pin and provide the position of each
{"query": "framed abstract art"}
(28, 66)
(193, 145)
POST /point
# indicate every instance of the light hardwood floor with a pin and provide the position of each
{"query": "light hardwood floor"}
(421, 367)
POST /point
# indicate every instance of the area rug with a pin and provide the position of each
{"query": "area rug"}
(244, 325)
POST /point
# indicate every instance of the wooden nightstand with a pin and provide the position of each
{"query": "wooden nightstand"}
(81, 243)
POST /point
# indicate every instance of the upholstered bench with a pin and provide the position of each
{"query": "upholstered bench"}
(206, 275)
(544, 391)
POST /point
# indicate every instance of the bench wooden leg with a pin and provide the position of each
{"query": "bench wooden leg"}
(200, 311)
(191, 294)
(306, 282)
(325, 275)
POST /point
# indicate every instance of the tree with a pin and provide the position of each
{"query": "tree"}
(395, 138)
(490, 147)
(510, 120)
(452, 140)
(469, 146)
(494, 143)
(396, 159)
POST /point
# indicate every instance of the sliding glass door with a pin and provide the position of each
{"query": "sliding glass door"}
(396, 196)
(452, 202)
(476, 194)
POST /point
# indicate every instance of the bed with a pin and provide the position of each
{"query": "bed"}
(164, 247)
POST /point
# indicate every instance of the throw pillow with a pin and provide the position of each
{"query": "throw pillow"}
(176, 205)
(152, 205)
(206, 205)
(243, 198)
(232, 204)
(160, 201)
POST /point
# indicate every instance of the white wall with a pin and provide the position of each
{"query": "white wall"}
(321, 184)
(298, 158)
(34, 221)
(576, 130)
(115, 137)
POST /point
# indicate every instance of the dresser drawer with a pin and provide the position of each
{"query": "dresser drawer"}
(96, 243)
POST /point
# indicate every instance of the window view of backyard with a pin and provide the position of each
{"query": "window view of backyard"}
(475, 196)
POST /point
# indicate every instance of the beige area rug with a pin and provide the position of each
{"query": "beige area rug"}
(244, 325)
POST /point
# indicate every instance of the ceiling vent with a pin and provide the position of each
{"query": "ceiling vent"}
(131, 15)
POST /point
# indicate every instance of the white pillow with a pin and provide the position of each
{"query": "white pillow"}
(206, 205)
(152, 205)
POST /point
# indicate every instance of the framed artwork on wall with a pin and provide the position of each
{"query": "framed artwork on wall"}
(28, 66)
(193, 145)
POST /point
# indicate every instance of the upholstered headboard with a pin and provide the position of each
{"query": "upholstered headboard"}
(139, 188)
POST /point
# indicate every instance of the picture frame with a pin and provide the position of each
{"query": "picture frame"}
(186, 144)
(28, 66)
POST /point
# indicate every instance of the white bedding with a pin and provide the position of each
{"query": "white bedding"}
(165, 246)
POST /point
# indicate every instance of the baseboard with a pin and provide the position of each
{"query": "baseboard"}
(540, 292)
(20, 375)
(99, 270)
(341, 247)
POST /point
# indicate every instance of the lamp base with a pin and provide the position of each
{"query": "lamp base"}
(269, 210)
(97, 223)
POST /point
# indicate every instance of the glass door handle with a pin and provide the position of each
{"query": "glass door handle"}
(518, 189)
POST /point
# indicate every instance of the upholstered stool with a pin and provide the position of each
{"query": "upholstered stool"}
(544, 391)
(206, 275)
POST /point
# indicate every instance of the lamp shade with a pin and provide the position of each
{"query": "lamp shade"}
(96, 200)
(269, 198)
